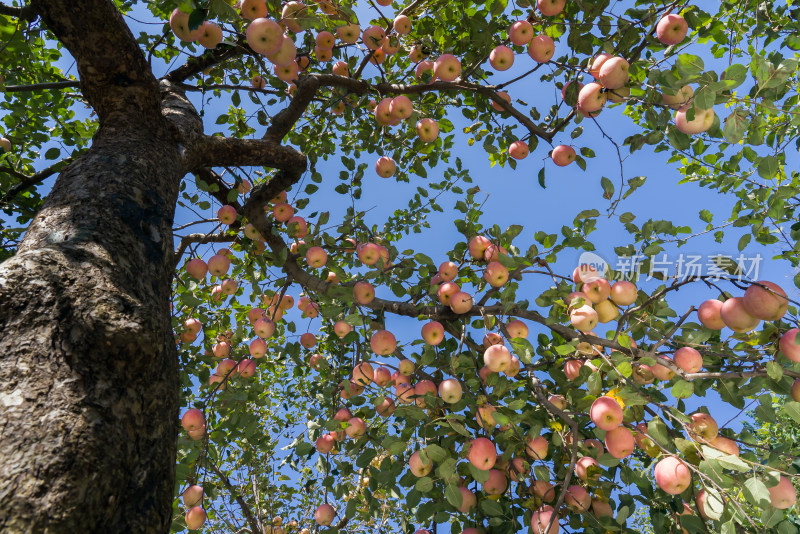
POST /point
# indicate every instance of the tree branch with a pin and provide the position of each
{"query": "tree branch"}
(115, 77)
(201, 238)
(27, 13)
(41, 86)
(216, 151)
(198, 64)
(248, 514)
(29, 181)
(487, 91)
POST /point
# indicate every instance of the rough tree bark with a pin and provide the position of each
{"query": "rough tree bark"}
(88, 366)
(88, 362)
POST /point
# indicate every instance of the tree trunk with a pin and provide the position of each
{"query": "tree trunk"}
(88, 365)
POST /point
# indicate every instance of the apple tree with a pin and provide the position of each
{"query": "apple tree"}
(205, 326)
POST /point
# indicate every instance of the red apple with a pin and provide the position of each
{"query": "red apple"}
(496, 274)
(382, 376)
(265, 36)
(422, 388)
(433, 333)
(179, 23)
(563, 155)
(783, 495)
(363, 292)
(688, 359)
(246, 368)
(496, 484)
(450, 391)
(193, 419)
(582, 468)
(448, 271)
(385, 167)
(736, 317)
(518, 150)
(709, 314)
(578, 499)
(613, 73)
(373, 37)
(521, 32)
(789, 346)
(197, 268)
(482, 454)
(402, 24)
(468, 500)
(406, 367)
(591, 98)
(606, 413)
(383, 342)
(497, 358)
(461, 302)
(768, 303)
(324, 444)
(583, 318)
(537, 447)
(679, 99)
(193, 496)
(501, 58)
(597, 290)
(662, 372)
(620, 442)
(195, 518)
(363, 373)
(308, 340)
(541, 49)
(671, 29)
(623, 293)
(253, 9)
(728, 446)
(427, 130)
(324, 515)
(702, 121)
(477, 246)
(550, 8)
(703, 427)
(542, 519)
(517, 328)
(348, 33)
(672, 475)
(447, 68)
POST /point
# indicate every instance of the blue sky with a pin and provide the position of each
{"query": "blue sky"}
(515, 197)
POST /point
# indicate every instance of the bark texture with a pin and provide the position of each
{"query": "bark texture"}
(88, 365)
(88, 368)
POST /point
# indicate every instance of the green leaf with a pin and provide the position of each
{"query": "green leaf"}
(774, 370)
(608, 188)
(453, 495)
(768, 167)
(657, 430)
(52, 153)
(735, 126)
(792, 409)
(424, 485)
(704, 98)
(728, 461)
(756, 492)
(714, 506)
(435, 453)
(491, 508)
(682, 389)
(196, 18)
